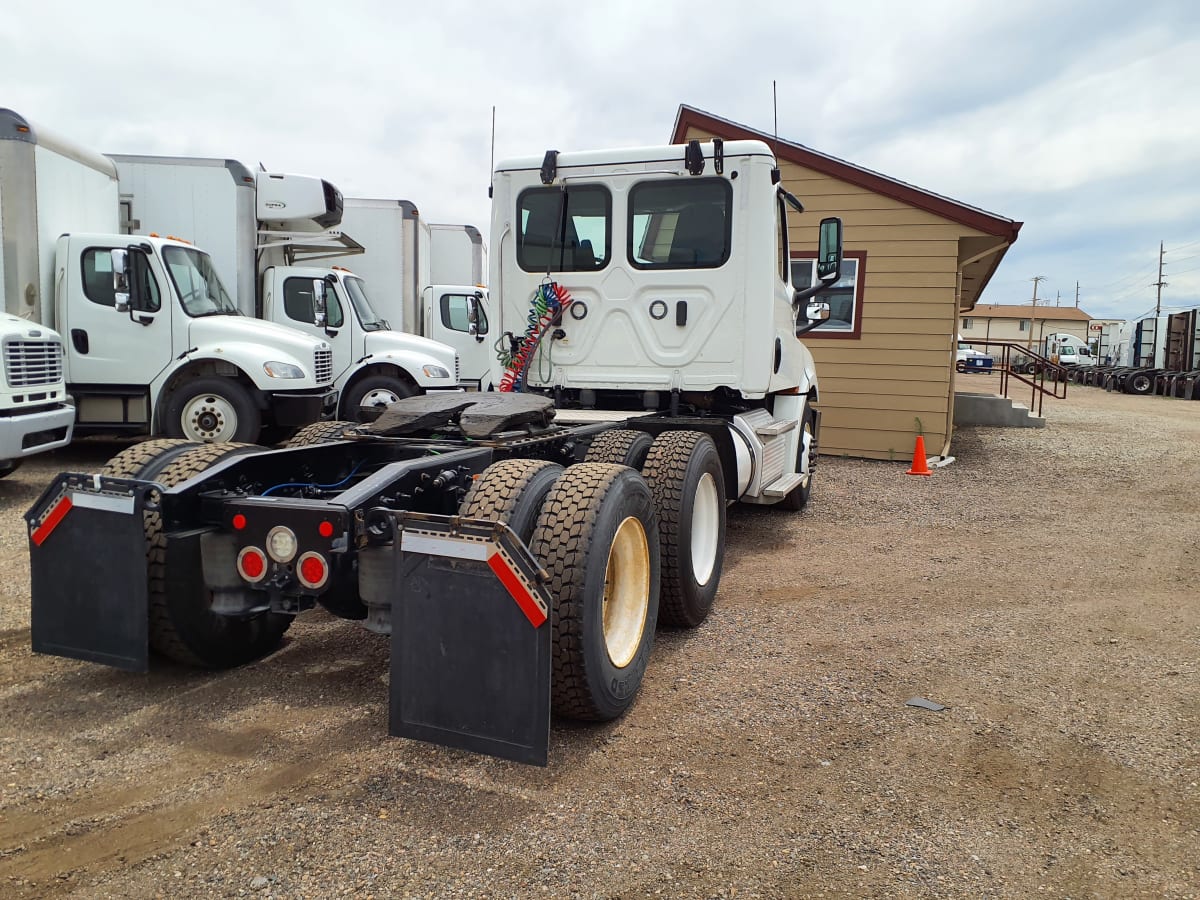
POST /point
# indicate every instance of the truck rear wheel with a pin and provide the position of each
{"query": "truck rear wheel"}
(621, 445)
(511, 491)
(597, 536)
(182, 625)
(212, 409)
(319, 433)
(1139, 383)
(684, 472)
(371, 396)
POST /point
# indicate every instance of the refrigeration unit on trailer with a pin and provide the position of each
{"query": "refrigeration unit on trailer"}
(275, 236)
(519, 547)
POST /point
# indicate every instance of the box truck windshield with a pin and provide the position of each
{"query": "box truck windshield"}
(199, 286)
(370, 319)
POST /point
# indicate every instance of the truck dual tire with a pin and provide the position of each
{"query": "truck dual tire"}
(182, 626)
(597, 537)
(1139, 383)
(212, 409)
(511, 491)
(620, 445)
(366, 399)
(685, 477)
(319, 433)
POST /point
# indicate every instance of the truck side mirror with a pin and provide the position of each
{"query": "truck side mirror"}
(120, 270)
(829, 251)
(473, 316)
(818, 312)
(320, 298)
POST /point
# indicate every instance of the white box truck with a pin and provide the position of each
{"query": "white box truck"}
(272, 234)
(426, 279)
(153, 343)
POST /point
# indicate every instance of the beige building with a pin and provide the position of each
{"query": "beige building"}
(1024, 324)
(915, 263)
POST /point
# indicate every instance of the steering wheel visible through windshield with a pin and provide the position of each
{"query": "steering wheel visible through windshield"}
(196, 280)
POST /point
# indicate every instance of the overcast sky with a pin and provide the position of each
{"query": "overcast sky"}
(1080, 119)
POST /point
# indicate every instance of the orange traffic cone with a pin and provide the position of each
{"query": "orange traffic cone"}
(920, 465)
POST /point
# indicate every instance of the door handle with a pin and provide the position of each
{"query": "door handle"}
(143, 320)
(79, 338)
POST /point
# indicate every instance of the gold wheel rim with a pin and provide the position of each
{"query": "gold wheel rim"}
(626, 592)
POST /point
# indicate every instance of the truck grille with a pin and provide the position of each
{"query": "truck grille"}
(28, 363)
(323, 365)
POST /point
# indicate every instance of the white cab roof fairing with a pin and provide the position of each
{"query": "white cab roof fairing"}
(666, 153)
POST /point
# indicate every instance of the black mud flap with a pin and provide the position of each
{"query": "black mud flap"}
(471, 646)
(87, 556)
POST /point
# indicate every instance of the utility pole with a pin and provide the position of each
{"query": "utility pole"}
(1058, 298)
(1077, 295)
(1160, 284)
(1035, 279)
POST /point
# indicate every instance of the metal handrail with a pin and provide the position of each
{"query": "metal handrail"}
(1043, 366)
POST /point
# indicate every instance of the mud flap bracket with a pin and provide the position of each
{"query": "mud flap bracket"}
(87, 556)
(470, 661)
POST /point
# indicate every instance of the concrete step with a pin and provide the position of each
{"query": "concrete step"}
(988, 409)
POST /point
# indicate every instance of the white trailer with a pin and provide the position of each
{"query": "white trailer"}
(273, 234)
(426, 279)
(144, 354)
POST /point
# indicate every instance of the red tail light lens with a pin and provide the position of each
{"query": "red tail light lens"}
(252, 564)
(312, 570)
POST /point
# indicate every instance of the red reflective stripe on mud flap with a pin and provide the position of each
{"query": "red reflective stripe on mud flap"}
(524, 599)
(56, 515)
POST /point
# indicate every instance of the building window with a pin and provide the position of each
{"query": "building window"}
(845, 297)
(1024, 326)
(968, 323)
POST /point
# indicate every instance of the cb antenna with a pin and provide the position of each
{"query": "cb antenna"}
(492, 158)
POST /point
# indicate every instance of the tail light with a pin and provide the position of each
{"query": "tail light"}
(252, 564)
(312, 570)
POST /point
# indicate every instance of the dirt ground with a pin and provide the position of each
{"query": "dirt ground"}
(1043, 587)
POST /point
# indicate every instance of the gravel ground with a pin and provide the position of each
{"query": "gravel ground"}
(1043, 587)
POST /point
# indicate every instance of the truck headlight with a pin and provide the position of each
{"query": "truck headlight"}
(277, 369)
(435, 372)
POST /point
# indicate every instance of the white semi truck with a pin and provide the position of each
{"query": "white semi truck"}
(426, 279)
(153, 345)
(273, 234)
(520, 547)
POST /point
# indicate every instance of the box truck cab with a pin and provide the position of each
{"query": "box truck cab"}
(1068, 350)
(426, 279)
(157, 344)
(373, 366)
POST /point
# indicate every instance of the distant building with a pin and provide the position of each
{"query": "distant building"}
(1023, 324)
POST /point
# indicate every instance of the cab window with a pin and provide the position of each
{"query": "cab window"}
(298, 303)
(96, 269)
(454, 313)
(564, 229)
(680, 224)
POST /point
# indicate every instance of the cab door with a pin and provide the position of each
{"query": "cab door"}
(300, 312)
(107, 346)
(459, 317)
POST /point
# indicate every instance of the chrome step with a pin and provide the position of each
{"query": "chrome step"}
(775, 428)
(784, 485)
